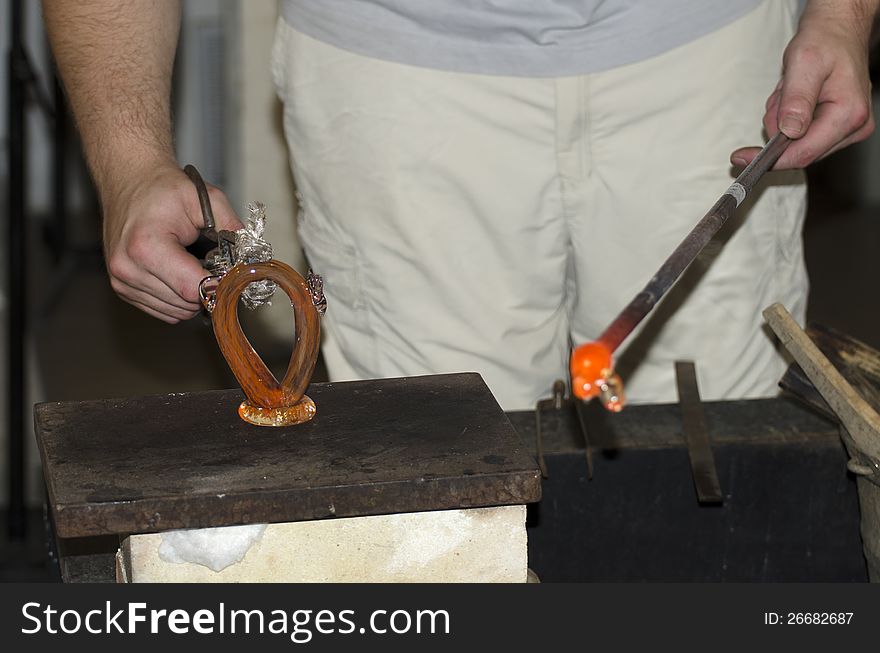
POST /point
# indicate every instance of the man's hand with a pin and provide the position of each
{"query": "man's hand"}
(147, 223)
(823, 100)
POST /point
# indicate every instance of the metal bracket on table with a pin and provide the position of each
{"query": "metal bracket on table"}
(559, 400)
(696, 432)
(696, 435)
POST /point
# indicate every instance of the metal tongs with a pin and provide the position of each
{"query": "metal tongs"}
(224, 253)
(244, 246)
(233, 247)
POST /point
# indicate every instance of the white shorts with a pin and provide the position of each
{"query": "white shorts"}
(482, 223)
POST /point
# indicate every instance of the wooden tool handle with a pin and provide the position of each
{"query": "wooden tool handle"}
(259, 384)
(861, 421)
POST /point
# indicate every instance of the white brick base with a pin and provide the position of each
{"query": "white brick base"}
(466, 545)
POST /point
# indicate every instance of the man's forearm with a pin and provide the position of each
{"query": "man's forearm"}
(823, 99)
(115, 58)
(856, 14)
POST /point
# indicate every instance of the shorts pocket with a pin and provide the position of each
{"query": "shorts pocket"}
(790, 196)
(279, 58)
(337, 262)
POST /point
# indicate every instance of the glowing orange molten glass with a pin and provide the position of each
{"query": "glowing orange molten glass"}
(592, 375)
(590, 366)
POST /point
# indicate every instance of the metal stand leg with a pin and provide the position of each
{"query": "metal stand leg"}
(16, 274)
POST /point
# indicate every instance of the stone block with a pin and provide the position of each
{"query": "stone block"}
(464, 545)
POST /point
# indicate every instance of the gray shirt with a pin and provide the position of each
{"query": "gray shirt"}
(536, 38)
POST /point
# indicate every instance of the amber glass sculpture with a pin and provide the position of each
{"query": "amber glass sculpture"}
(269, 402)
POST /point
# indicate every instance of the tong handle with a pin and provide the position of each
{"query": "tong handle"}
(224, 239)
(209, 230)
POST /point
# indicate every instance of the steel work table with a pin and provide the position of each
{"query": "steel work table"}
(164, 462)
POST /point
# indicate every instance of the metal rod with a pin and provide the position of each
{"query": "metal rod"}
(16, 275)
(696, 435)
(634, 312)
(204, 201)
(58, 240)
